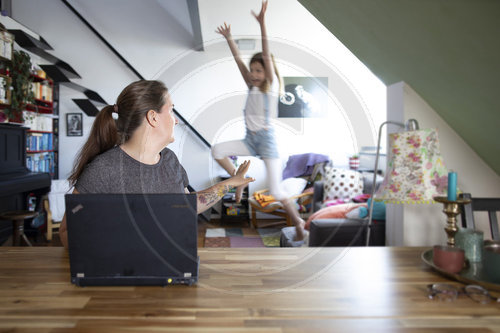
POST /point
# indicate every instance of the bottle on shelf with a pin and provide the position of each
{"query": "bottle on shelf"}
(6, 45)
(3, 90)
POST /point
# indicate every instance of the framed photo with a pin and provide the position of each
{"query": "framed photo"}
(305, 97)
(74, 124)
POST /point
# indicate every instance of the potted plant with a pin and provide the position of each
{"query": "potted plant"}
(22, 91)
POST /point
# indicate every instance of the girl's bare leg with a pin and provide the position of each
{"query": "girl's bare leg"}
(273, 167)
(296, 219)
(227, 165)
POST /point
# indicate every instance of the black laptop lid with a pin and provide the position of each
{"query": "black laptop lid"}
(137, 239)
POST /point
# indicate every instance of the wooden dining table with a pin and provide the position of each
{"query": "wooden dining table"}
(356, 289)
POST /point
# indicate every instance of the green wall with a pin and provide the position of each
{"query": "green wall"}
(447, 50)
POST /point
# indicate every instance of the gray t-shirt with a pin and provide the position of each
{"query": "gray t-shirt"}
(116, 172)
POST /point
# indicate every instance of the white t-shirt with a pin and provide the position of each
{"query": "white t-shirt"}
(255, 114)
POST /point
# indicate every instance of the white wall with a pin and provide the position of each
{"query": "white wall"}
(209, 107)
(69, 146)
(422, 225)
(206, 86)
(208, 91)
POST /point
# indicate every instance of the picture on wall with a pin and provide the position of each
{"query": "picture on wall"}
(74, 124)
(305, 97)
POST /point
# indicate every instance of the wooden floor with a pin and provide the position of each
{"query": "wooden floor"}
(263, 223)
(40, 240)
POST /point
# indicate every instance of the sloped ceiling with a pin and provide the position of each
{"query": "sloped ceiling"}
(162, 27)
(448, 51)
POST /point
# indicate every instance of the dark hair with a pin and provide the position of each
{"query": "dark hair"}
(257, 57)
(132, 105)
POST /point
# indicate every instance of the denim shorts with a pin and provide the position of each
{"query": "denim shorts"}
(262, 143)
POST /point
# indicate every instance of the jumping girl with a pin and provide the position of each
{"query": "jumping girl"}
(263, 81)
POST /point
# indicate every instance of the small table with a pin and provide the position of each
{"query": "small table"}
(18, 217)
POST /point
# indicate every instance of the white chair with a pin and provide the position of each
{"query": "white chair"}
(55, 205)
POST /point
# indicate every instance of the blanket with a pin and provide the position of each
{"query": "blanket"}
(302, 165)
(263, 199)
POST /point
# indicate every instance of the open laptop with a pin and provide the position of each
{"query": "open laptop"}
(132, 239)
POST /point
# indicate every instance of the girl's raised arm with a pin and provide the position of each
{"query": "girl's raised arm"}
(225, 30)
(266, 54)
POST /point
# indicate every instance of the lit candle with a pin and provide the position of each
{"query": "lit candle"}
(452, 186)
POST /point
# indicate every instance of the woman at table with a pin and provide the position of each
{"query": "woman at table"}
(126, 151)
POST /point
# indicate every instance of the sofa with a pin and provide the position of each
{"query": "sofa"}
(339, 231)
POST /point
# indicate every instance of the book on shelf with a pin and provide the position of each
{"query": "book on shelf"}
(39, 141)
(38, 122)
(42, 91)
(40, 162)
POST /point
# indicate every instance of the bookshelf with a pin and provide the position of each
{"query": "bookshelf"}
(39, 116)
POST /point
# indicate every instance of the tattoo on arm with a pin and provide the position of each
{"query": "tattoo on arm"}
(213, 194)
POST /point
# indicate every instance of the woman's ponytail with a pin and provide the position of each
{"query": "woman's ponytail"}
(103, 136)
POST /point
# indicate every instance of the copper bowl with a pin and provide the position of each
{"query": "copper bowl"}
(449, 259)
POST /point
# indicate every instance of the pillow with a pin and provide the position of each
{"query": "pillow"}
(328, 203)
(333, 212)
(361, 198)
(355, 213)
(378, 210)
(342, 184)
(293, 186)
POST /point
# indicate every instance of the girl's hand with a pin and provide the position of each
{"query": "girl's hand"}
(239, 177)
(260, 17)
(224, 30)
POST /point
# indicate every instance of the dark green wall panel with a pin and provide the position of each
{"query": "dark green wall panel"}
(447, 51)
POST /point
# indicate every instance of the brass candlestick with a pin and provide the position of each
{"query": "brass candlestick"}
(451, 209)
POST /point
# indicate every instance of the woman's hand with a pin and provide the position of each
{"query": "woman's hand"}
(239, 178)
(224, 30)
(260, 17)
(208, 197)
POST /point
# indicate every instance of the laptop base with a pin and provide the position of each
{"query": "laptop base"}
(133, 281)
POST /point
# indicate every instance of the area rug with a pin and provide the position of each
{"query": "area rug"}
(242, 237)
